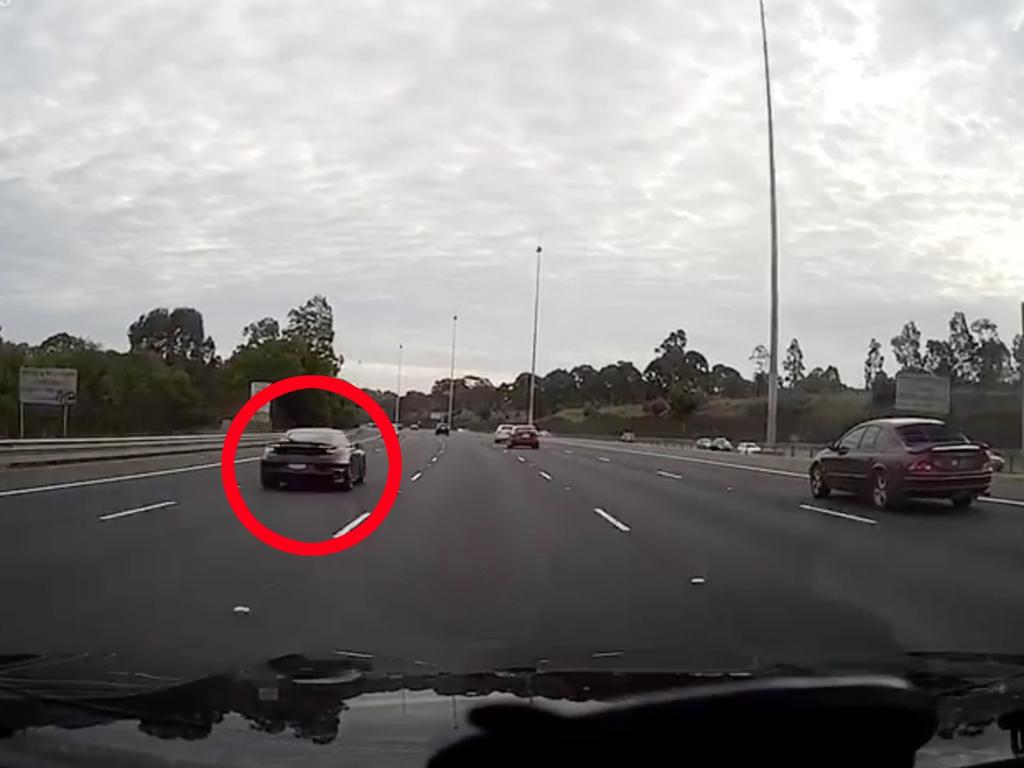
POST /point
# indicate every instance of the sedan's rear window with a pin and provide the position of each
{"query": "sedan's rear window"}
(916, 434)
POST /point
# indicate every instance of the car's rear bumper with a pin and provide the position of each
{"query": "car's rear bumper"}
(524, 443)
(944, 485)
(295, 470)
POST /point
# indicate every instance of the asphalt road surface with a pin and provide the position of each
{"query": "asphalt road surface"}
(578, 553)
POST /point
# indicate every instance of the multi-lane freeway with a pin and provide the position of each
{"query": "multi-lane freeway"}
(634, 556)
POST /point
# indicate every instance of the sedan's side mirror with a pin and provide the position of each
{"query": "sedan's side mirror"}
(842, 449)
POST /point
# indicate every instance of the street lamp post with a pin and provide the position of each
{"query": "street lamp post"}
(773, 378)
(398, 389)
(533, 356)
(451, 376)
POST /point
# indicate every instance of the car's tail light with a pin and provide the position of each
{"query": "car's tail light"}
(921, 465)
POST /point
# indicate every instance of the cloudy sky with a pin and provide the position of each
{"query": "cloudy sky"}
(403, 157)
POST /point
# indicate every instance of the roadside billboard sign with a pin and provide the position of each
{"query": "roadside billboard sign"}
(48, 386)
(922, 393)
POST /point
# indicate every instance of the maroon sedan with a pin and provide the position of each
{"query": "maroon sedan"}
(525, 435)
(891, 460)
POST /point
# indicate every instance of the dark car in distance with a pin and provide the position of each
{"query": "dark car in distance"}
(442, 429)
(313, 454)
(525, 435)
(893, 459)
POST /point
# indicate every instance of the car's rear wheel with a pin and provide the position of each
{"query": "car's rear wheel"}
(882, 494)
(963, 500)
(819, 487)
(346, 480)
(268, 482)
(362, 474)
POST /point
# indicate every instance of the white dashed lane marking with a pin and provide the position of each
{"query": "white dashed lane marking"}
(614, 521)
(602, 458)
(416, 477)
(671, 475)
(835, 513)
(137, 510)
(545, 475)
(1013, 502)
(351, 526)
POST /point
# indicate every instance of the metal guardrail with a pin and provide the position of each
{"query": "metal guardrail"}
(33, 452)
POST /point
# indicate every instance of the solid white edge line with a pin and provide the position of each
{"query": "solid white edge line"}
(115, 479)
(354, 524)
(672, 475)
(416, 477)
(137, 510)
(545, 475)
(617, 523)
(692, 459)
(844, 515)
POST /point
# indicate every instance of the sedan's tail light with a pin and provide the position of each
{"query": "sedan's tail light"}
(921, 465)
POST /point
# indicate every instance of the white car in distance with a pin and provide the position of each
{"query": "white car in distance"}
(748, 447)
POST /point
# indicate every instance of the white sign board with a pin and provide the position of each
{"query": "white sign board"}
(263, 412)
(922, 393)
(47, 386)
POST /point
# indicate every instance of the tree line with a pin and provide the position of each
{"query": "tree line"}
(972, 354)
(678, 380)
(675, 382)
(173, 380)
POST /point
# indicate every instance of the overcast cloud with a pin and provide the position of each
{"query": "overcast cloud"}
(403, 158)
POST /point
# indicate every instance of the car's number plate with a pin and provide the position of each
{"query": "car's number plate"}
(297, 466)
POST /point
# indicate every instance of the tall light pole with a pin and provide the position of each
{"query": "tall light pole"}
(451, 376)
(533, 356)
(398, 389)
(1021, 369)
(773, 365)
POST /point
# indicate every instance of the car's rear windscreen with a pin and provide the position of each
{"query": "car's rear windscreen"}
(917, 434)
